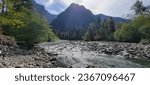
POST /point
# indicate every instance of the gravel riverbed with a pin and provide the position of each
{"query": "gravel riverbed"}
(81, 54)
(77, 54)
(14, 57)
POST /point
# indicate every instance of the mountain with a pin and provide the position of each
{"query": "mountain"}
(41, 10)
(75, 16)
(115, 19)
(75, 20)
(78, 17)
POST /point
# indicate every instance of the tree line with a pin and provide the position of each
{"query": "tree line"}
(135, 30)
(101, 30)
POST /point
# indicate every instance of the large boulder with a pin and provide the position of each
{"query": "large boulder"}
(7, 40)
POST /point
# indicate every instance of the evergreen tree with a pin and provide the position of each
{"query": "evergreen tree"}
(98, 23)
(138, 7)
(91, 32)
(111, 25)
(111, 28)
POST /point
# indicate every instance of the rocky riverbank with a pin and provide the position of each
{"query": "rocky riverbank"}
(128, 50)
(15, 57)
(100, 54)
(76, 54)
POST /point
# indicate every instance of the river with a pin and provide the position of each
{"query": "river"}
(80, 54)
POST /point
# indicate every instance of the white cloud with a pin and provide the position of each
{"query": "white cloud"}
(108, 7)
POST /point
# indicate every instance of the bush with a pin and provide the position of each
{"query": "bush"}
(22, 21)
(37, 30)
(117, 35)
(134, 31)
(145, 32)
(29, 29)
(141, 21)
(127, 33)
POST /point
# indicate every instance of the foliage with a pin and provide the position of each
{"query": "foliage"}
(21, 21)
(135, 30)
(127, 33)
(90, 34)
(141, 21)
(101, 30)
(145, 31)
(36, 30)
(140, 9)
(138, 29)
(73, 34)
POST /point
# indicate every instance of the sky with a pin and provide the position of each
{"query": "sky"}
(117, 8)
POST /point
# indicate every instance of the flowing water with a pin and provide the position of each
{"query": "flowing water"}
(78, 55)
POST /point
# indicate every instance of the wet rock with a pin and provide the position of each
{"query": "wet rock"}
(69, 66)
(90, 66)
(53, 59)
(49, 65)
(1, 65)
(4, 63)
(52, 54)
(38, 65)
(107, 52)
(18, 67)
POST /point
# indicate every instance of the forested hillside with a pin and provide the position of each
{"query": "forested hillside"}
(19, 19)
(135, 30)
(72, 23)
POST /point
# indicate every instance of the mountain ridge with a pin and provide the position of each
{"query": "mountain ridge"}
(75, 21)
(77, 16)
(41, 10)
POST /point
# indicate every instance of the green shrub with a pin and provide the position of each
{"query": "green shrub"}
(134, 31)
(127, 33)
(37, 30)
(29, 29)
(145, 32)
(141, 21)
(117, 35)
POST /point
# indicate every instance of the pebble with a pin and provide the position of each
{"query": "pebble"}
(22, 58)
(118, 48)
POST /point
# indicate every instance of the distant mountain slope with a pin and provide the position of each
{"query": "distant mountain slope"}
(75, 16)
(115, 19)
(78, 17)
(41, 9)
(74, 21)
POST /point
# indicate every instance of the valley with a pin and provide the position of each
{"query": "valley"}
(74, 38)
